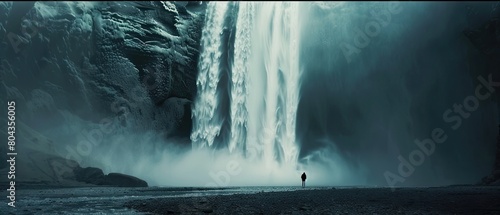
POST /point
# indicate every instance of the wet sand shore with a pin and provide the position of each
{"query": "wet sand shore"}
(442, 200)
(255, 200)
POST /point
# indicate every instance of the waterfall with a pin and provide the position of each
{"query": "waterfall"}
(207, 124)
(264, 80)
(239, 72)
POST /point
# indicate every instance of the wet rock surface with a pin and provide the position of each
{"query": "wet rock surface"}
(89, 175)
(95, 176)
(122, 180)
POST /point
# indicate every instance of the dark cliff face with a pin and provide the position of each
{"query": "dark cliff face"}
(93, 71)
(394, 87)
(486, 40)
(133, 61)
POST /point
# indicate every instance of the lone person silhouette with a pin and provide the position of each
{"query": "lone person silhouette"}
(303, 179)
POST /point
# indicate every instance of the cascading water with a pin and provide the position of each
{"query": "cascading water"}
(264, 80)
(207, 124)
(239, 74)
